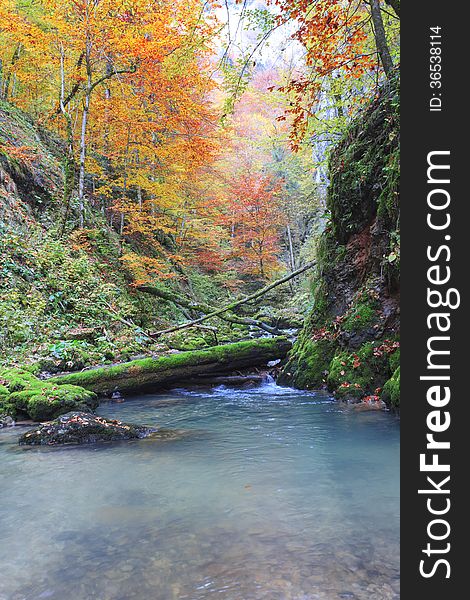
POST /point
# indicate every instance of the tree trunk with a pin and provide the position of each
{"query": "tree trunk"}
(380, 38)
(124, 191)
(81, 177)
(395, 4)
(69, 159)
(291, 254)
(15, 57)
(177, 368)
(86, 109)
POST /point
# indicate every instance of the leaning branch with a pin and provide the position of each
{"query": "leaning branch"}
(395, 4)
(131, 69)
(185, 302)
(234, 305)
(76, 87)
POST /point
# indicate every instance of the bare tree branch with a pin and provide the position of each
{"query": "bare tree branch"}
(230, 307)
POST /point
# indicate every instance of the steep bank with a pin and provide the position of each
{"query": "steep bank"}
(349, 342)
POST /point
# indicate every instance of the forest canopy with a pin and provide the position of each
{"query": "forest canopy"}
(168, 120)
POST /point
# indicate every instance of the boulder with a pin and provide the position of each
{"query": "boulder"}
(79, 427)
(22, 393)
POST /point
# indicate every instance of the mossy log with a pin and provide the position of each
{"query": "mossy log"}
(177, 368)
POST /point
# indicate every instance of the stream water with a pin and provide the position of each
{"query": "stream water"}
(271, 494)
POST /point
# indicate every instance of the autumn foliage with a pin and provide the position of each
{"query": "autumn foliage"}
(133, 91)
(338, 40)
(255, 218)
(127, 86)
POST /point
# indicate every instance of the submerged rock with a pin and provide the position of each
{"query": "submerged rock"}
(6, 421)
(369, 405)
(83, 428)
(116, 396)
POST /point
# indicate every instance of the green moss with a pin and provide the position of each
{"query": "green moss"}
(362, 199)
(136, 373)
(388, 201)
(362, 315)
(364, 167)
(348, 392)
(391, 390)
(308, 361)
(49, 401)
(52, 403)
(7, 408)
(18, 379)
(340, 253)
(187, 340)
(41, 400)
(318, 315)
(22, 398)
(312, 363)
(394, 360)
(365, 369)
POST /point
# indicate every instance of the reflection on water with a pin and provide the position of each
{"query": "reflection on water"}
(274, 494)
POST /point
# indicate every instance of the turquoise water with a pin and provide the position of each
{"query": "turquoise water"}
(270, 494)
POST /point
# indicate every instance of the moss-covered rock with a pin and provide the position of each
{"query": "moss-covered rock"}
(16, 380)
(360, 373)
(83, 428)
(7, 408)
(41, 400)
(361, 315)
(350, 392)
(364, 168)
(394, 360)
(49, 401)
(391, 390)
(186, 341)
(355, 288)
(308, 364)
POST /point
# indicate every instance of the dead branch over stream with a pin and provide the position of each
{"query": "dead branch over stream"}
(221, 313)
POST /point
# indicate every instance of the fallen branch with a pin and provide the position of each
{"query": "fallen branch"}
(114, 314)
(230, 307)
(184, 302)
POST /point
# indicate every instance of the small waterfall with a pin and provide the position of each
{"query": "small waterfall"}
(268, 379)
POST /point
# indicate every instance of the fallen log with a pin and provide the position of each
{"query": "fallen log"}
(179, 367)
(230, 380)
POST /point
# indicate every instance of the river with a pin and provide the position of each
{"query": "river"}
(271, 493)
